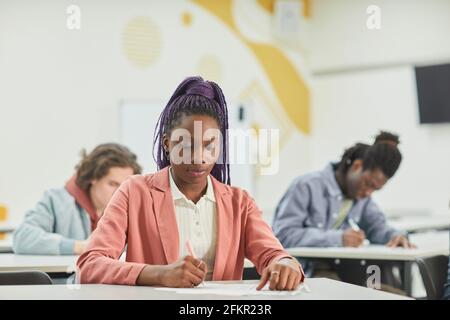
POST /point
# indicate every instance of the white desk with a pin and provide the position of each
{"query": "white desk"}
(371, 252)
(428, 245)
(6, 246)
(421, 223)
(321, 289)
(49, 264)
(7, 227)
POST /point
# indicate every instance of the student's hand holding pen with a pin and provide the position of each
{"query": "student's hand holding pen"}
(353, 238)
(187, 272)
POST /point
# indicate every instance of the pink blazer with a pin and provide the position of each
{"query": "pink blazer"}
(141, 215)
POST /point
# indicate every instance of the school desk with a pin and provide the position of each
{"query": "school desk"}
(421, 223)
(320, 289)
(6, 246)
(48, 264)
(429, 245)
(8, 227)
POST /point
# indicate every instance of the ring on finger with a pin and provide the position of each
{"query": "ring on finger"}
(273, 272)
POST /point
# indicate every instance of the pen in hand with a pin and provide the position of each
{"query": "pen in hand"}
(356, 228)
(353, 225)
(191, 252)
(190, 249)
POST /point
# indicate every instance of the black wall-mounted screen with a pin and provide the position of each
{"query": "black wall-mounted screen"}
(433, 90)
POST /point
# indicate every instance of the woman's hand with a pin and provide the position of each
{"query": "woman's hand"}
(185, 273)
(285, 274)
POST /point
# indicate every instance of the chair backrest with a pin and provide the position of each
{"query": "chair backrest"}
(434, 275)
(24, 278)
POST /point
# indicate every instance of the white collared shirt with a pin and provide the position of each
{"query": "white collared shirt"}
(196, 223)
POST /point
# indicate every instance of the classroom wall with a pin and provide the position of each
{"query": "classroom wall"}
(61, 88)
(364, 80)
(412, 31)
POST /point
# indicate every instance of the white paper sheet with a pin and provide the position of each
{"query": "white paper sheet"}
(235, 289)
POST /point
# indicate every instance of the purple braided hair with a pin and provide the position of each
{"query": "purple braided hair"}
(194, 96)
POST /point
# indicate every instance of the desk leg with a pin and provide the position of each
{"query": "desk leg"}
(407, 278)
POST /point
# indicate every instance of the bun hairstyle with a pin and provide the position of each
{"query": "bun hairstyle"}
(383, 154)
(387, 137)
(194, 96)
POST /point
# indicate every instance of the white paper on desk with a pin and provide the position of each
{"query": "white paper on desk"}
(234, 289)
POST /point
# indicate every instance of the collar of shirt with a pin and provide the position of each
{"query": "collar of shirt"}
(178, 195)
(331, 184)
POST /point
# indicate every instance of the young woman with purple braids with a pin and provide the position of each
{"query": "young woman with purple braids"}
(185, 224)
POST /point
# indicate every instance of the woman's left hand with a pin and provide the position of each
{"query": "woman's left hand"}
(284, 274)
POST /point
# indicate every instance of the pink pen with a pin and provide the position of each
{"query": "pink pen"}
(191, 251)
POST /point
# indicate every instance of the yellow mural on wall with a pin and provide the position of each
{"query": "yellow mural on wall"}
(288, 85)
(269, 5)
(142, 42)
(210, 67)
(186, 19)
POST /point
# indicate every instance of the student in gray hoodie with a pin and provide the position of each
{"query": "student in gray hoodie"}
(62, 221)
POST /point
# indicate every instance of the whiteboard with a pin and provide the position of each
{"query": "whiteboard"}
(137, 126)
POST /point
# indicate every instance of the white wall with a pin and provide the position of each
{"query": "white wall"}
(412, 31)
